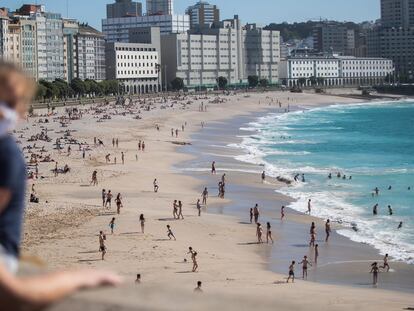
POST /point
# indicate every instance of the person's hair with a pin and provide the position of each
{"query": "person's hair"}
(6, 69)
(199, 283)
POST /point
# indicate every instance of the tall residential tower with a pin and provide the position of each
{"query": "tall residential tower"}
(160, 7)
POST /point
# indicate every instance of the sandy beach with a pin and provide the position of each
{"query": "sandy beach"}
(237, 274)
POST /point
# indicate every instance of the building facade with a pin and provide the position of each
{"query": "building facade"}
(123, 8)
(203, 15)
(334, 71)
(397, 13)
(90, 54)
(136, 65)
(4, 27)
(160, 7)
(394, 37)
(201, 56)
(117, 29)
(333, 37)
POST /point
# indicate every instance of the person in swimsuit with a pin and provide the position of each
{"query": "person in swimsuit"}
(386, 264)
(142, 222)
(282, 212)
(263, 176)
(309, 206)
(155, 184)
(259, 233)
(269, 233)
(112, 225)
(102, 247)
(316, 253)
(374, 271)
(256, 213)
(103, 197)
(198, 288)
(291, 272)
(138, 279)
(251, 215)
(205, 196)
(175, 209)
(108, 199)
(327, 229)
(170, 234)
(213, 167)
(180, 210)
(118, 202)
(305, 262)
(199, 207)
(195, 264)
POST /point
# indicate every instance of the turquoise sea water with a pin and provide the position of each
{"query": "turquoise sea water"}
(373, 143)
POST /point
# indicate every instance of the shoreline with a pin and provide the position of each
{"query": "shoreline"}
(227, 263)
(234, 127)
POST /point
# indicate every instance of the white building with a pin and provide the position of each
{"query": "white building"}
(135, 65)
(117, 29)
(231, 51)
(4, 26)
(333, 70)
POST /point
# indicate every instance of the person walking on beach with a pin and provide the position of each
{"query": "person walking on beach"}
(282, 212)
(269, 233)
(375, 210)
(142, 222)
(251, 215)
(108, 199)
(118, 202)
(256, 213)
(316, 253)
(103, 197)
(180, 210)
(386, 264)
(263, 176)
(199, 207)
(259, 233)
(123, 157)
(327, 230)
(309, 206)
(291, 272)
(205, 196)
(155, 185)
(94, 180)
(213, 167)
(195, 264)
(305, 262)
(112, 225)
(170, 234)
(175, 209)
(374, 271)
(102, 247)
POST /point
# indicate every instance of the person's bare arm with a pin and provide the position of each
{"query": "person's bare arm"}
(5, 196)
(37, 292)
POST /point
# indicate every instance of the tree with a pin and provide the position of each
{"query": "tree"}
(313, 80)
(264, 83)
(41, 91)
(62, 87)
(253, 81)
(177, 84)
(78, 86)
(222, 83)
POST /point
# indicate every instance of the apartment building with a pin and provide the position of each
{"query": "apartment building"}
(160, 7)
(136, 65)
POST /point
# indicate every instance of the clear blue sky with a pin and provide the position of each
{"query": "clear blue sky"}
(259, 11)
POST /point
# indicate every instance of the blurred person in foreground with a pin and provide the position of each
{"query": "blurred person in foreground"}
(31, 293)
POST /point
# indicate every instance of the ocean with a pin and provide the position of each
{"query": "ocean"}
(372, 142)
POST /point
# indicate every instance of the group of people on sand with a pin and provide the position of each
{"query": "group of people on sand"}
(178, 210)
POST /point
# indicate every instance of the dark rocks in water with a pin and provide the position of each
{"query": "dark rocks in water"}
(180, 143)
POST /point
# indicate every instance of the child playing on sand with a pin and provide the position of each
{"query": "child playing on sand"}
(291, 272)
(305, 262)
(112, 225)
(170, 234)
